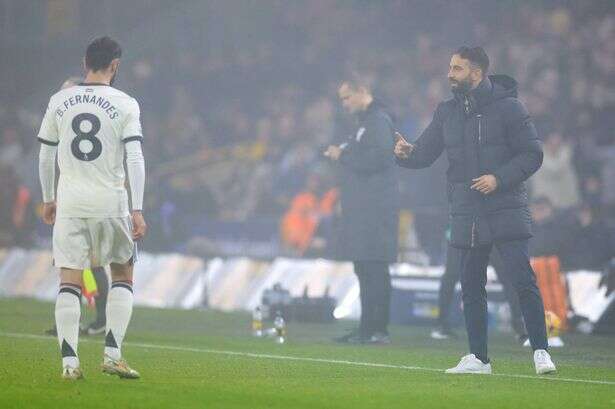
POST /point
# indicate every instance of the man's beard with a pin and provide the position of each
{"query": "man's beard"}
(461, 87)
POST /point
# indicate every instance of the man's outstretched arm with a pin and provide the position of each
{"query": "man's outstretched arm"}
(427, 148)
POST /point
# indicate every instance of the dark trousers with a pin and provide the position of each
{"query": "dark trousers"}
(102, 283)
(516, 263)
(375, 294)
(451, 277)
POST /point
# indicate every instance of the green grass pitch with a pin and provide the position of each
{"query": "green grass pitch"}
(207, 359)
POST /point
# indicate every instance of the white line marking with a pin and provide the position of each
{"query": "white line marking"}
(308, 359)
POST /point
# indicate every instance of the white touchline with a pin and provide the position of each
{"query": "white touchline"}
(308, 359)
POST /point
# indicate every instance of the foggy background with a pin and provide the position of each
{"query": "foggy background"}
(238, 102)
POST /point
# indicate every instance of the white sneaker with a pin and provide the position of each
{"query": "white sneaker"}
(470, 364)
(543, 363)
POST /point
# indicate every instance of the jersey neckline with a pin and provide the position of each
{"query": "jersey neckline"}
(87, 84)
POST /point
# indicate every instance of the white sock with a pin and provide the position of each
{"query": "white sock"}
(68, 313)
(119, 310)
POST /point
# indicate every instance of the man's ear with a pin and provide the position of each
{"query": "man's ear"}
(115, 63)
(477, 74)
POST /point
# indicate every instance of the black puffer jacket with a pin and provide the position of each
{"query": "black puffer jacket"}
(369, 190)
(488, 131)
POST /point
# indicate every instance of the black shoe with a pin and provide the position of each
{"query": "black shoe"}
(95, 328)
(377, 338)
(353, 337)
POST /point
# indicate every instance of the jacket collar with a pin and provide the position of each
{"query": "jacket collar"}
(476, 98)
(482, 93)
(361, 115)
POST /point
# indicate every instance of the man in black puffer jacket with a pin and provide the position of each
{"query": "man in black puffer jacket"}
(492, 148)
(369, 202)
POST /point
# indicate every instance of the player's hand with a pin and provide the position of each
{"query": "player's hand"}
(49, 213)
(485, 184)
(333, 152)
(403, 148)
(139, 227)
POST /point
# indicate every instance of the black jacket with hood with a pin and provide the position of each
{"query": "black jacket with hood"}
(487, 131)
(369, 189)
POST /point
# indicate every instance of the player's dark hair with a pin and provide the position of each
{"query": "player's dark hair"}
(101, 52)
(476, 55)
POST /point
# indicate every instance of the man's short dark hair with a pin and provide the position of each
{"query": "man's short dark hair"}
(476, 55)
(101, 52)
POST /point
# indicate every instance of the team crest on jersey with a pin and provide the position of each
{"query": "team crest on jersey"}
(360, 133)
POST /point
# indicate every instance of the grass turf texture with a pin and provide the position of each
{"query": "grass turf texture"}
(30, 368)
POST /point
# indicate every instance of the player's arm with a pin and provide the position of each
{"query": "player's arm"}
(47, 176)
(135, 167)
(48, 137)
(135, 164)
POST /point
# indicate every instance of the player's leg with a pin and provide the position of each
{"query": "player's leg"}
(71, 255)
(118, 250)
(67, 314)
(119, 311)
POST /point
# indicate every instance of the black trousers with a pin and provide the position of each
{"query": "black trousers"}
(450, 278)
(516, 263)
(375, 294)
(102, 283)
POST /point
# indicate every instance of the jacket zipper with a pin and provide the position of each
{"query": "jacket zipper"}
(480, 141)
(480, 133)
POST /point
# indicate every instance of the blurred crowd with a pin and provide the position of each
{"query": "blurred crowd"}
(235, 123)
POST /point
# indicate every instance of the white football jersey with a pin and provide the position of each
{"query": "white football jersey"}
(90, 124)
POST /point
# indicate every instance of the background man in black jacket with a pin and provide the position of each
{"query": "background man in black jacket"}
(492, 148)
(369, 200)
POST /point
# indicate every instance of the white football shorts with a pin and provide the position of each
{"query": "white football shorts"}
(80, 243)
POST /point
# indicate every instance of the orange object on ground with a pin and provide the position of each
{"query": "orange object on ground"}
(552, 286)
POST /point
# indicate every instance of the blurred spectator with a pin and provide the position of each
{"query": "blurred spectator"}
(16, 216)
(547, 227)
(588, 242)
(308, 209)
(556, 179)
